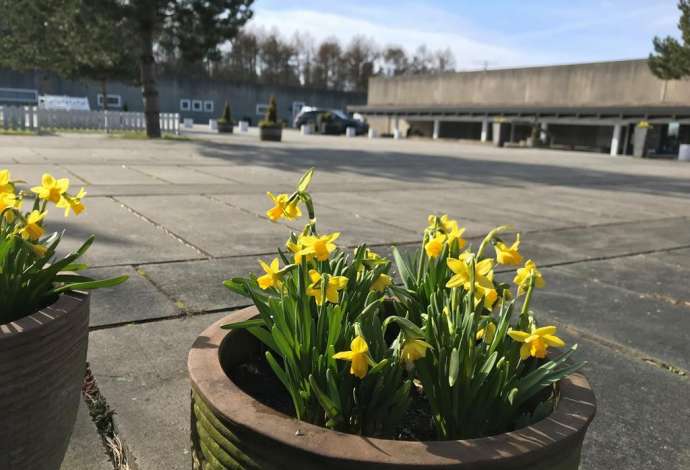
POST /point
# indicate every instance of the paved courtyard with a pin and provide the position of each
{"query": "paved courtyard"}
(611, 233)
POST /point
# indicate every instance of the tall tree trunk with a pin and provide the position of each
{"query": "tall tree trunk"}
(148, 86)
(104, 92)
(104, 103)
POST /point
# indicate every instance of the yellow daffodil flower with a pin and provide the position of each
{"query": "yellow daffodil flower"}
(74, 203)
(483, 278)
(39, 250)
(434, 246)
(335, 284)
(508, 254)
(271, 278)
(319, 247)
(5, 186)
(443, 223)
(32, 230)
(282, 209)
(537, 341)
(358, 356)
(413, 349)
(381, 282)
(456, 234)
(523, 276)
(7, 200)
(51, 189)
(487, 333)
(296, 248)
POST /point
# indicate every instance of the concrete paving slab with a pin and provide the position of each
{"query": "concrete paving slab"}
(210, 225)
(86, 450)
(136, 299)
(198, 285)
(617, 314)
(645, 275)
(33, 174)
(141, 370)
(179, 174)
(640, 422)
(355, 227)
(111, 174)
(616, 239)
(121, 236)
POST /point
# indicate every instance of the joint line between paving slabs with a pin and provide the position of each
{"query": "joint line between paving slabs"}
(621, 348)
(163, 228)
(102, 416)
(142, 172)
(178, 303)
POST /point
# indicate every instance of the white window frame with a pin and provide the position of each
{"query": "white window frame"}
(185, 105)
(208, 106)
(261, 109)
(197, 106)
(118, 98)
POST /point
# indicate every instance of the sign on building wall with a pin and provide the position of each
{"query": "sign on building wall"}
(68, 103)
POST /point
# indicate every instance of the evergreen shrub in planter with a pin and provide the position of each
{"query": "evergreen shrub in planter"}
(225, 123)
(270, 128)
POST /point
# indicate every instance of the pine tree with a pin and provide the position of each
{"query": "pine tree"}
(671, 58)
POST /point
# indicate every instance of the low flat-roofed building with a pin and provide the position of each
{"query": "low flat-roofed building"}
(617, 107)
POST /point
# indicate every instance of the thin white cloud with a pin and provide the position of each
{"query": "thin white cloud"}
(469, 52)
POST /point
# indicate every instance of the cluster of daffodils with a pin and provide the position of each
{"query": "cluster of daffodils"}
(31, 275)
(349, 344)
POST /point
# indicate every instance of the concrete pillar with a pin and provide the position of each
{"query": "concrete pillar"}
(437, 129)
(640, 141)
(615, 140)
(512, 132)
(485, 130)
(543, 136)
(498, 137)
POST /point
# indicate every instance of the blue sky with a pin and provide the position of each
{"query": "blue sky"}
(502, 32)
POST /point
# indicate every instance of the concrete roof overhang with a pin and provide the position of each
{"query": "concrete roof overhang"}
(608, 114)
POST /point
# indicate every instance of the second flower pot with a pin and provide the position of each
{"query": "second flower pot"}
(231, 429)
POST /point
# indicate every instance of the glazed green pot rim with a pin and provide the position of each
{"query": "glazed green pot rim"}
(560, 432)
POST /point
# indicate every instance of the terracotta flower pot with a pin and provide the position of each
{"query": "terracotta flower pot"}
(271, 133)
(42, 364)
(232, 430)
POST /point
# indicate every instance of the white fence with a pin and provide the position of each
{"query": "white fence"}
(33, 118)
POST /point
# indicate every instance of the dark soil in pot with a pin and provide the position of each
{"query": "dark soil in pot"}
(256, 378)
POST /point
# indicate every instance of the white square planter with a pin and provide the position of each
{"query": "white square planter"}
(244, 126)
(212, 125)
(350, 132)
(188, 123)
(307, 129)
(372, 133)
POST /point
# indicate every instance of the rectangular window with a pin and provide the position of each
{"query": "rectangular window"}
(185, 105)
(208, 106)
(261, 109)
(197, 106)
(114, 101)
(18, 95)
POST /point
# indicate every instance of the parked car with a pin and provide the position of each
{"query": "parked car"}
(338, 120)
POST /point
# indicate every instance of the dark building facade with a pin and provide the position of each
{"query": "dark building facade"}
(199, 99)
